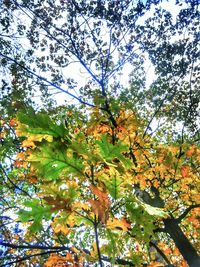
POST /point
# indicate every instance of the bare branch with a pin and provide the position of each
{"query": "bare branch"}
(46, 80)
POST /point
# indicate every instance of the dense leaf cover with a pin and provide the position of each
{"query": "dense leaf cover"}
(114, 179)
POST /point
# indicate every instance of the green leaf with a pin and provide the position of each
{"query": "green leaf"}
(31, 123)
(51, 160)
(143, 221)
(113, 186)
(110, 152)
(36, 213)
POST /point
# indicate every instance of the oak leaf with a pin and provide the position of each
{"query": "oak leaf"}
(101, 211)
(185, 171)
(103, 196)
(120, 224)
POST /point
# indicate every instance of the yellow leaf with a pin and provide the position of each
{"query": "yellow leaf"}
(28, 143)
(120, 224)
(40, 137)
(61, 229)
(80, 206)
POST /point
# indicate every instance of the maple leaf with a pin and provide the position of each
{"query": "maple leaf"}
(58, 260)
(114, 184)
(154, 211)
(12, 122)
(191, 151)
(29, 143)
(59, 228)
(101, 206)
(156, 264)
(58, 203)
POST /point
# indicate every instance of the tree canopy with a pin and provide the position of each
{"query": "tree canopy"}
(107, 174)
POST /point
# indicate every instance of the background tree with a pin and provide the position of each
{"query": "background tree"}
(103, 39)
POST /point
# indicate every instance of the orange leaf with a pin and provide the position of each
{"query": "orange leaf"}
(12, 122)
(156, 264)
(61, 229)
(28, 143)
(21, 156)
(191, 151)
(185, 171)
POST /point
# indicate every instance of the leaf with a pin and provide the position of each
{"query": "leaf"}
(36, 213)
(99, 210)
(155, 211)
(191, 151)
(51, 161)
(113, 153)
(58, 260)
(101, 206)
(38, 126)
(120, 224)
(103, 196)
(58, 203)
(113, 185)
(111, 248)
(185, 171)
(59, 228)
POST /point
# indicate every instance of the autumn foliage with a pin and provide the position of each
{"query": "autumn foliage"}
(107, 192)
(99, 133)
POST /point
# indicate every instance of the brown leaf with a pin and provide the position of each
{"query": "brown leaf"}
(100, 210)
(58, 203)
(103, 196)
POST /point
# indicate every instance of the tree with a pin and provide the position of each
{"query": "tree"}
(95, 184)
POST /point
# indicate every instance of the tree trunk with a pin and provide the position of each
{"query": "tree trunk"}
(185, 247)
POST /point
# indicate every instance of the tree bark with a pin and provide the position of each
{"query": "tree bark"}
(185, 247)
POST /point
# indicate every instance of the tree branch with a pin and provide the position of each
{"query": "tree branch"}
(62, 248)
(14, 246)
(14, 185)
(75, 52)
(162, 103)
(27, 258)
(97, 241)
(47, 81)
